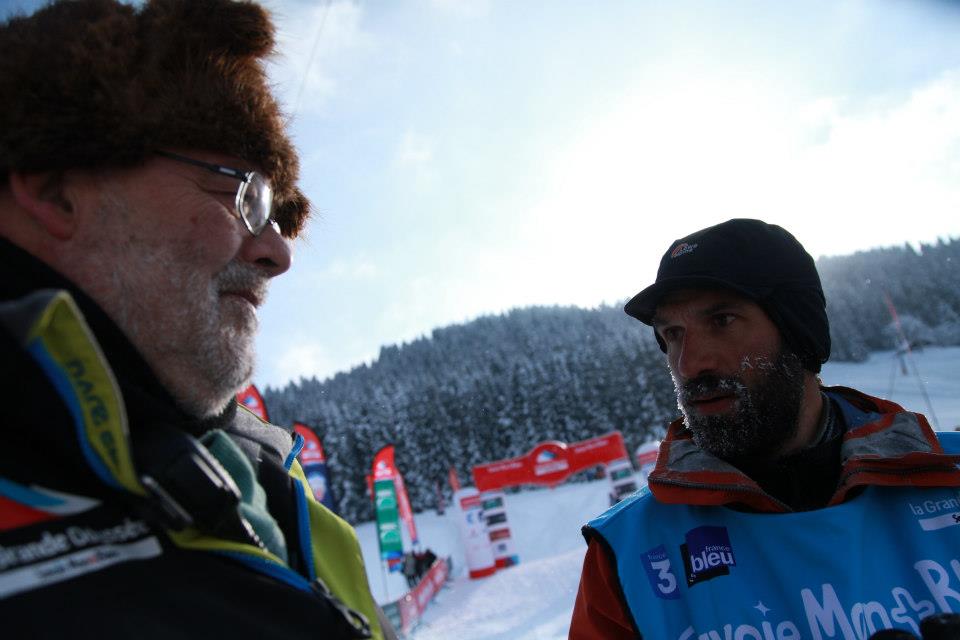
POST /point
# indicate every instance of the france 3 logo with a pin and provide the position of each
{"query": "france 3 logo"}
(706, 553)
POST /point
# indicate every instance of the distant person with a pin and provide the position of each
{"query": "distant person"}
(410, 569)
(425, 562)
(779, 508)
(148, 196)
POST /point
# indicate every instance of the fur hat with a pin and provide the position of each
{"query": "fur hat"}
(89, 83)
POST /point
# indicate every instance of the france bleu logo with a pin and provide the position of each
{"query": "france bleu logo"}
(707, 553)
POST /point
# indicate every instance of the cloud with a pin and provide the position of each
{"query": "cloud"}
(840, 173)
(317, 41)
(884, 174)
(323, 278)
(415, 153)
(414, 150)
(303, 359)
(464, 8)
(358, 268)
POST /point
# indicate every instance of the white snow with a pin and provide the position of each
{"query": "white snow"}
(534, 600)
(939, 370)
(531, 600)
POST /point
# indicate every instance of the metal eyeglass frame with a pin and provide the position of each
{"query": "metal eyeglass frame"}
(246, 178)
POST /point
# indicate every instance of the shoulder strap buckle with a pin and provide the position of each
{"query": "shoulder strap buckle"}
(171, 514)
(356, 624)
(193, 489)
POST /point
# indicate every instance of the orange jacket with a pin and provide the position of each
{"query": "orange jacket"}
(687, 475)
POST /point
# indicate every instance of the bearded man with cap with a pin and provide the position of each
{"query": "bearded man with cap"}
(148, 195)
(779, 508)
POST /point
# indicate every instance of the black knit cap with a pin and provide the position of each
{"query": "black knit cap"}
(761, 261)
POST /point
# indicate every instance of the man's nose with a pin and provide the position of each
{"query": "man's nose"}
(270, 251)
(697, 355)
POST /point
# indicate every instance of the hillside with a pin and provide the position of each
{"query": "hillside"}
(482, 391)
(494, 387)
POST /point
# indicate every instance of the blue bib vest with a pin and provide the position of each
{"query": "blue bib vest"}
(885, 559)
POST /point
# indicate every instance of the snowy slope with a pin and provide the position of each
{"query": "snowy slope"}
(534, 599)
(531, 600)
(939, 369)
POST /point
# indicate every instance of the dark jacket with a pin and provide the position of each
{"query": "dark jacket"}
(116, 522)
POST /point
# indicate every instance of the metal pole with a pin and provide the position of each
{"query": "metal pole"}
(383, 574)
(913, 364)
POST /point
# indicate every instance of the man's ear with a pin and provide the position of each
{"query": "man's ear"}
(42, 196)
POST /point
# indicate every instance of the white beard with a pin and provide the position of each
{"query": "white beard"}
(198, 343)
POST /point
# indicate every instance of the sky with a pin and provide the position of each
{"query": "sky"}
(468, 157)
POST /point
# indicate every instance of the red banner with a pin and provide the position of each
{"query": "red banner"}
(251, 399)
(383, 466)
(549, 463)
(415, 603)
(406, 513)
(314, 463)
(312, 452)
(647, 454)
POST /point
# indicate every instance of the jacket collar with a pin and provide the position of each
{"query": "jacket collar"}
(92, 391)
(883, 445)
(138, 383)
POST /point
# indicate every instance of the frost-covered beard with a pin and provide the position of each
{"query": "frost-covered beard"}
(198, 343)
(765, 415)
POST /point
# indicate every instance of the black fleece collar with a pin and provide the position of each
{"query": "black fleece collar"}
(807, 479)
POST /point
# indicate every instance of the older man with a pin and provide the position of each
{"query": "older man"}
(779, 508)
(147, 197)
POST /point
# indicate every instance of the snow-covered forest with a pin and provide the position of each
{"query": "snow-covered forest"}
(496, 386)
(924, 286)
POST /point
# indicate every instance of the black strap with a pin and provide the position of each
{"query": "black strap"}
(350, 623)
(187, 486)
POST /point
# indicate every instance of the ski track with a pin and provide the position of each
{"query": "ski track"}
(530, 600)
(534, 600)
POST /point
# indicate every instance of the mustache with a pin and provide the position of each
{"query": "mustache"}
(239, 276)
(709, 384)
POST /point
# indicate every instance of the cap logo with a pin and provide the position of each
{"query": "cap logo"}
(682, 248)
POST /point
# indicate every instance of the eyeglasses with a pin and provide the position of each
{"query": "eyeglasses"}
(254, 199)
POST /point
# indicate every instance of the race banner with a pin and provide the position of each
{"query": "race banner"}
(550, 463)
(251, 399)
(388, 516)
(473, 532)
(414, 603)
(384, 467)
(314, 463)
(454, 480)
(406, 513)
(405, 613)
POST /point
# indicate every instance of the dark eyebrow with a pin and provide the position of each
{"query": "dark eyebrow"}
(725, 305)
(720, 307)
